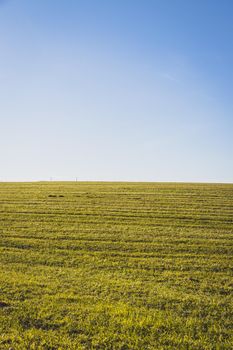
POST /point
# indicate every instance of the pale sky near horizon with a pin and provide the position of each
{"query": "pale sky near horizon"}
(120, 90)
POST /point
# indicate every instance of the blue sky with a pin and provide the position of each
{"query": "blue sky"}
(135, 90)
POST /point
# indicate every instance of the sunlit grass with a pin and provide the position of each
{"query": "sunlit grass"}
(116, 266)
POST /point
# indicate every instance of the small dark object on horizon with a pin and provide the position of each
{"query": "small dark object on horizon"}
(55, 196)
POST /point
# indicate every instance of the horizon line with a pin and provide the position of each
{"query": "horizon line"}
(116, 181)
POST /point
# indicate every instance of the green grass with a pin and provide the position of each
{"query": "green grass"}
(116, 266)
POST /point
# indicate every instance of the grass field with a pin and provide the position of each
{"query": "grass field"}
(116, 266)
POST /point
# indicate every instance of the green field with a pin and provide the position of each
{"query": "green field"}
(116, 266)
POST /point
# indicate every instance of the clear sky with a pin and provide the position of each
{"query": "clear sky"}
(135, 90)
